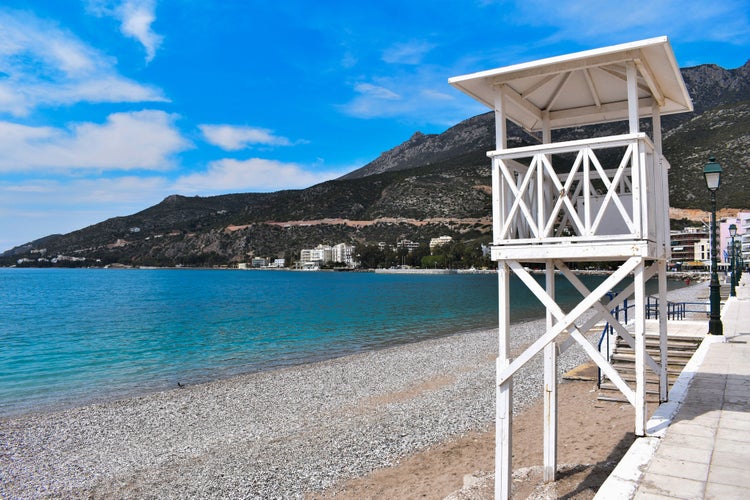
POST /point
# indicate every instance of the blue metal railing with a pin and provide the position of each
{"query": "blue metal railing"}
(675, 311)
(621, 309)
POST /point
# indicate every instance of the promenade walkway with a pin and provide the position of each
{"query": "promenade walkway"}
(698, 443)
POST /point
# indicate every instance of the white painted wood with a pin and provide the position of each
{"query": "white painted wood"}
(663, 351)
(497, 202)
(640, 351)
(613, 141)
(632, 92)
(604, 311)
(501, 120)
(622, 208)
(504, 390)
(615, 249)
(593, 212)
(550, 412)
(648, 75)
(550, 387)
(584, 88)
(503, 436)
(599, 292)
(564, 321)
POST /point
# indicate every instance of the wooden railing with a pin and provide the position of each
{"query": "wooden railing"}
(594, 190)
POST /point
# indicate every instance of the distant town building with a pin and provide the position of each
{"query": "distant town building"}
(324, 254)
(316, 256)
(683, 245)
(702, 250)
(408, 244)
(344, 254)
(741, 240)
(257, 262)
(439, 241)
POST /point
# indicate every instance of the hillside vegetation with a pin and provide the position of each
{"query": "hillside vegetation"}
(430, 185)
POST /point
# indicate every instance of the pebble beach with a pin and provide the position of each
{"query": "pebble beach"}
(279, 434)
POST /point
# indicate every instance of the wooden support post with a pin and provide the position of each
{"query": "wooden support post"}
(504, 391)
(663, 373)
(640, 349)
(498, 192)
(550, 387)
(632, 88)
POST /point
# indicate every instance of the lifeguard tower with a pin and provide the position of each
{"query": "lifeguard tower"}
(593, 199)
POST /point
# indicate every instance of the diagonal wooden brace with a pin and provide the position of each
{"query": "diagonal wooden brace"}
(606, 311)
(564, 320)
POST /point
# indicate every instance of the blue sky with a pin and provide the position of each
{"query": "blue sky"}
(108, 106)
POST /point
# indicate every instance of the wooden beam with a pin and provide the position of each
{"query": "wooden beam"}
(569, 65)
(558, 90)
(523, 104)
(605, 310)
(663, 350)
(568, 319)
(541, 83)
(648, 76)
(550, 387)
(640, 350)
(633, 105)
(611, 111)
(592, 87)
(504, 390)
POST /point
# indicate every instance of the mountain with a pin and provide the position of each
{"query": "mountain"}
(430, 185)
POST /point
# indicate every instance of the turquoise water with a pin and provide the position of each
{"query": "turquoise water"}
(72, 336)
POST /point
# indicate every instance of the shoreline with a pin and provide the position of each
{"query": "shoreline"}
(251, 435)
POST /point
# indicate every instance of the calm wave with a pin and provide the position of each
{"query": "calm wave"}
(72, 336)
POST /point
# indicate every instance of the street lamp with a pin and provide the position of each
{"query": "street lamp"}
(712, 173)
(733, 233)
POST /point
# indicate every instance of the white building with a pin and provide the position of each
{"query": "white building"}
(408, 244)
(344, 253)
(439, 241)
(318, 255)
(322, 254)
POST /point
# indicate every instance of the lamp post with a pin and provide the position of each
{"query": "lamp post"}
(712, 174)
(733, 233)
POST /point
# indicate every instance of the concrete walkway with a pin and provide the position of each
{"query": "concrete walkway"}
(698, 444)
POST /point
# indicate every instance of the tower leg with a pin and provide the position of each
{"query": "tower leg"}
(504, 391)
(550, 388)
(640, 350)
(663, 351)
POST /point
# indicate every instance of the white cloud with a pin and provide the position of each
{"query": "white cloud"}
(233, 138)
(407, 53)
(254, 174)
(41, 207)
(136, 18)
(611, 20)
(136, 140)
(376, 91)
(418, 97)
(45, 65)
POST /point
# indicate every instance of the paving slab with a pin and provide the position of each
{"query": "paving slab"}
(699, 442)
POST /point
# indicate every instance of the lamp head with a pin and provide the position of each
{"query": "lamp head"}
(712, 173)
(732, 230)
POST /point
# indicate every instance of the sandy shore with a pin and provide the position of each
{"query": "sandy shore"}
(303, 431)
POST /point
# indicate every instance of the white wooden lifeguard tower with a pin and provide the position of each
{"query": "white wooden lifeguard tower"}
(595, 199)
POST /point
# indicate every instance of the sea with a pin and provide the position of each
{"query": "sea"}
(78, 336)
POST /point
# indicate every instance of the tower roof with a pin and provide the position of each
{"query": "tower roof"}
(583, 88)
